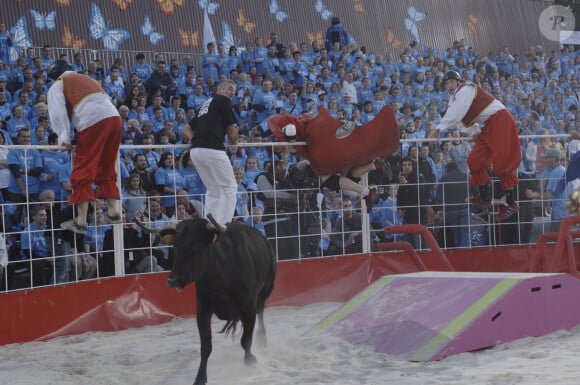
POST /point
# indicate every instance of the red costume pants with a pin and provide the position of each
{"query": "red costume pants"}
(498, 146)
(96, 157)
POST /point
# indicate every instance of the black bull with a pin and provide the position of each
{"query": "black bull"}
(234, 274)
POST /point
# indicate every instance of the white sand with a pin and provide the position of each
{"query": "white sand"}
(169, 354)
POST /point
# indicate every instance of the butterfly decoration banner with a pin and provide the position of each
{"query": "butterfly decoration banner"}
(20, 39)
(412, 22)
(168, 7)
(148, 30)
(178, 25)
(111, 38)
(44, 21)
(189, 39)
(325, 13)
(69, 40)
(243, 22)
(275, 10)
(210, 6)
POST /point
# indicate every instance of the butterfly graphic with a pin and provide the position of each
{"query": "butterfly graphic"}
(189, 38)
(71, 41)
(98, 30)
(315, 36)
(472, 23)
(395, 43)
(44, 21)
(243, 22)
(123, 4)
(210, 6)
(64, 3)
(276, 11)
(411, 23)
(320, 8)
(20, 39)
(148, 30)
(168, 6)
(228, 39)
(359, 7)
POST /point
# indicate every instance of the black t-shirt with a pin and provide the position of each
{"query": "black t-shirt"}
(209, 126)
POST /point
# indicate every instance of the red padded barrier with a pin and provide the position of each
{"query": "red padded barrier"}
(135, 301)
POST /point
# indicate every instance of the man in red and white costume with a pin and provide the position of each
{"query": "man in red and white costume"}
(497, 145)
(78, 99)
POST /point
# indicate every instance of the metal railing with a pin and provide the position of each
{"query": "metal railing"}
(299, 231)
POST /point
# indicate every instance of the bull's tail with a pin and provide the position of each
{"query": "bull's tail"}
(230, 327)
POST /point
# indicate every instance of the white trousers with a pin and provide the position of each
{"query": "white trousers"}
(217, 174)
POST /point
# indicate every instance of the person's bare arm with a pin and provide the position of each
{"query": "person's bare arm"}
(232, 131)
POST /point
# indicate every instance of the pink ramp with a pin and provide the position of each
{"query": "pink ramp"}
(430, 315)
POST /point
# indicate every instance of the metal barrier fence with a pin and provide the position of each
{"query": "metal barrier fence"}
(301, 227)
(107, 58)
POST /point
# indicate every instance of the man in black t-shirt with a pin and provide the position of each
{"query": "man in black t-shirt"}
(207, 130)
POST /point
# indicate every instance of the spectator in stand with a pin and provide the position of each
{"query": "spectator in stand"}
(152, 157)
(94, 239)
(555, 188)
(195, 187)
(211, 63)
(335, 33)
(193, 208)
(17, 122)
(142, 69)
(197, 98)
(459, 150)
(452, 194)
(348, 236)
(273, 186)
(264, 103)
(136, 247)
(35, 247)
(134, 198)
(161, 80)
(78, 64)
(154, 217)
(3, 260)
(94, 73)
(168, 181)
(52, 161)
(40, 112)
(115, 89)
(5, 108)
(410, 196)
(180, 213)
(25, 169)
(259, 55)
(58, 240)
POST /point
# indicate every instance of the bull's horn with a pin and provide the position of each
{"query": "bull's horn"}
(159, 231)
